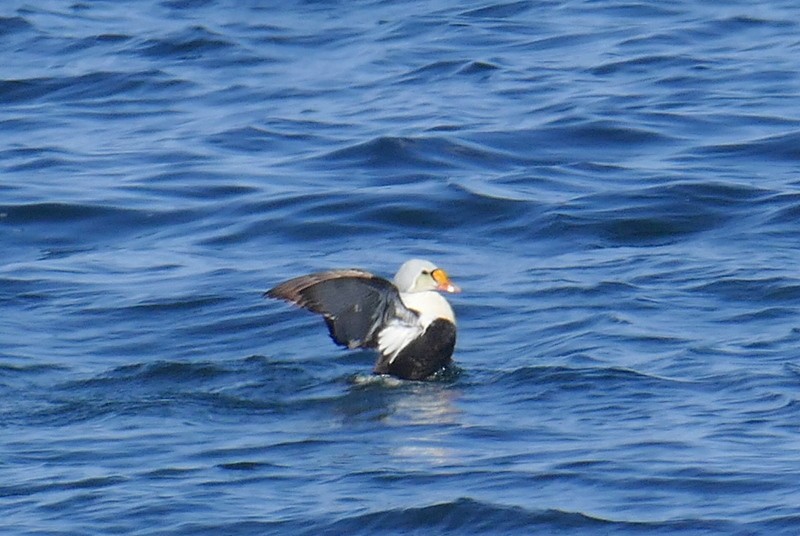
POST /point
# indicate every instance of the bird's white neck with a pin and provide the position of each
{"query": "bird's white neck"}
(430, 305)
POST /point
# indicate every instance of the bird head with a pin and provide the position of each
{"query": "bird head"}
(417, 275)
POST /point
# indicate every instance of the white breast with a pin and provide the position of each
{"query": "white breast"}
(430, 305)
(397, 334)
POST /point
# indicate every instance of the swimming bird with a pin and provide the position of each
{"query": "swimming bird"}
(406, 320)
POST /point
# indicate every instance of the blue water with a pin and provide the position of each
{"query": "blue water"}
(615, 185)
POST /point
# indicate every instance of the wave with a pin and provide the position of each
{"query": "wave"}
(467, 515)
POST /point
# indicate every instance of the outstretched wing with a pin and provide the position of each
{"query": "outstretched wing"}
(356, 304)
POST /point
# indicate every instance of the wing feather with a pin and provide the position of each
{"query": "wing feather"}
(356, 304)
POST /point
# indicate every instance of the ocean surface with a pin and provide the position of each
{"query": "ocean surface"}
(615, 185)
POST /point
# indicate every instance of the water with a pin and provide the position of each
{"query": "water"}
(615, 186)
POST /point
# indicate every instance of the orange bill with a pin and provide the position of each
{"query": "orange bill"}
(445, 285)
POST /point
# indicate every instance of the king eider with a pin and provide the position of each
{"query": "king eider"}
(407, 321)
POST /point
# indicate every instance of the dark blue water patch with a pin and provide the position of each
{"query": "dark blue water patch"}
(438, 71)
(499, 11)
(600, 140)
(14, 490)
(649, 64)
(636, 229)
(545, 378)
(782, 147)
(188, 5)
(597, 291)
(535, 42)
(465, 515)
(18, 374)
(90, 87)
(764, 314)
(304, 448)
(106, 42)
(244, 466)
(607, 134)
(397, 153)
(253, 140)
(773, 341)
(7, 368)
(294, 218)
(159, 373)
(746, 23)
(62, 227)
(793, 369)
(701, 480)
(12, 25)
(432, 71)
(483, 68)
(17, 91)
(424, 204)
(440, 154)
(656, 215)
(288, 40)
(470, 516)
(251, 386)
(170, 186)
(188, 44)
(638, 11)
(24, 289)
(770, 290)
(48, 159)
(57, 213)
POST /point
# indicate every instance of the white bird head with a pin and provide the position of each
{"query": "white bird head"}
(417, 275)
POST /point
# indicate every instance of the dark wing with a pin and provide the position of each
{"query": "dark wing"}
(356, 304)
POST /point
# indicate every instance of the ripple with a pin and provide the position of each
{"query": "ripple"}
(90, 87)
(656, 215)
(649, 64)
(391, 152)
(190, 43)
(500, 10)
(778, 147)
(63, 226)
(470, 515)
(11, 25)
(763, 290)
(581, 379)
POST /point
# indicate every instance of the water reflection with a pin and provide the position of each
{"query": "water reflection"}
(419, 416)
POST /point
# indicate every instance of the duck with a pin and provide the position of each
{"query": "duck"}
(406, 320)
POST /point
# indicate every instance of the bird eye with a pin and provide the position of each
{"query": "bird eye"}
(426, 272)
